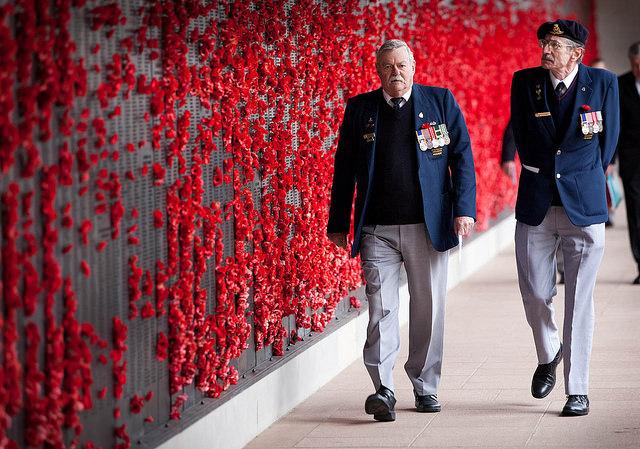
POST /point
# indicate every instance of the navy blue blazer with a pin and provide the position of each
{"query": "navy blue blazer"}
(447, 181)
(574, 163)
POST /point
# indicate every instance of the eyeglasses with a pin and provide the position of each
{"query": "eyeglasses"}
(555, 45)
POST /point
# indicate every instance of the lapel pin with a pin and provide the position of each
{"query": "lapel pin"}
(583, 89)
(421, 115)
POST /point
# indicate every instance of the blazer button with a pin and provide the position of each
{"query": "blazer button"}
(558, 153)
(558, 175)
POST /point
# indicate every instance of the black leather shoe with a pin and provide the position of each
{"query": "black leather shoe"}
(427, 403)
(577, 405)
(381, 405)
(544, 379)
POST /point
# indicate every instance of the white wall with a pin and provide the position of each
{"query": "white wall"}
(618, 26)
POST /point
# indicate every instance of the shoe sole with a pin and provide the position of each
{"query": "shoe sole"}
(574, 413)
(432, 409)
(391, 416)
(380, 410)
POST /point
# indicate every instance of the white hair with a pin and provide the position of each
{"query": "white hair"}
(392, 44)
(572, 44)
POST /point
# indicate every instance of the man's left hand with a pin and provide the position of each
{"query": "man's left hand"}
(509, 169)
(463, 225)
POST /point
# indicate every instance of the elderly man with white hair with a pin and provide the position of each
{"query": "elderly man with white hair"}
(405, 150)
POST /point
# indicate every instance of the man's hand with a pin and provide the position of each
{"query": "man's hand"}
(509, 169)
(338, 238)
(463, 225)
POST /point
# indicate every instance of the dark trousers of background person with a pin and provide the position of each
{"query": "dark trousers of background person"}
(631, 185)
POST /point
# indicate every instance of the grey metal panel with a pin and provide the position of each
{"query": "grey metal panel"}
(105, 293)
(193, 106)
(96, 304)
(160, 405)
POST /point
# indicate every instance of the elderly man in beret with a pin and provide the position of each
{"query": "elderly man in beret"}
(565, 119)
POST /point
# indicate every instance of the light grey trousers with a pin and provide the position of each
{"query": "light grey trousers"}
(384, 248)
(582, 248)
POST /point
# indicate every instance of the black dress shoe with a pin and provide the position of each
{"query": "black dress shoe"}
(544, 379)
(577, 405)
(381, 405)
(427, 403)
(636, 281)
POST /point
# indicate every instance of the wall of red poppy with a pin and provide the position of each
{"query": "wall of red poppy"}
(166, 169)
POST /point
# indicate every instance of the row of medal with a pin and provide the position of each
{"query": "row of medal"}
(433, 137)
(591, 122)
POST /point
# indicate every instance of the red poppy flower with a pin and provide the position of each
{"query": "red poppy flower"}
(135, 404)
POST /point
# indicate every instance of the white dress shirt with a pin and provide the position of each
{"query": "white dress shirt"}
(388, 97)
(567, 80)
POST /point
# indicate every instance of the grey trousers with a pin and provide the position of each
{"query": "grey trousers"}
(582, 248)
(383, 250)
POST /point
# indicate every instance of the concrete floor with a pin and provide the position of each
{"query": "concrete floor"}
(488, 363)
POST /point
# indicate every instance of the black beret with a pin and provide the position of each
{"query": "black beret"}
(564, 28)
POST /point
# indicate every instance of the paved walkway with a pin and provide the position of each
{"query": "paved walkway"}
(489, 360)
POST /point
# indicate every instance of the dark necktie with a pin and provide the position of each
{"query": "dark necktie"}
(561, 89)
(396, 102)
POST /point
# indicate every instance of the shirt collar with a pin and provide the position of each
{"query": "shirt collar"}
(567, 80)
(388, 97)
(638, 86)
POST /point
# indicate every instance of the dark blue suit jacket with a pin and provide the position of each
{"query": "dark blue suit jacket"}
(575, 164)
(447, 182)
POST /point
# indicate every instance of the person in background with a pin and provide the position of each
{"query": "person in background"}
(405, 148)
(566, 120)
(508, 153)
(598, 63)
(629, 148)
